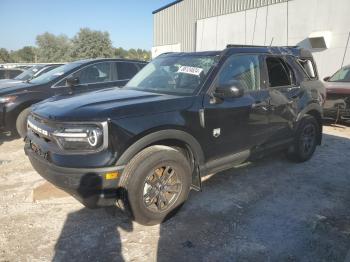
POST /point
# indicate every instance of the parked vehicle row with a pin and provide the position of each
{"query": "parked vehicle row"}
(66, 80)
(10, 73)
(30, 73)
(184, 115)
(337, 106)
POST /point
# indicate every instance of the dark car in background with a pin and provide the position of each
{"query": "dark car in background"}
(185, 115)
(10, 73)
(30, 73)
(337, 106)
(70, 79)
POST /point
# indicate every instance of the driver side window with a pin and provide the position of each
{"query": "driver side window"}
(96, 73)
(244, 69)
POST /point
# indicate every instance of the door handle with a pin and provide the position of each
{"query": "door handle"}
(260, 104)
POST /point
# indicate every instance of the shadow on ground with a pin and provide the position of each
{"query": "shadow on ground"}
(269, 210)
(7, 137)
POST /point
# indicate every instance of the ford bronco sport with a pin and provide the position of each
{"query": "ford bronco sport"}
(184, 115)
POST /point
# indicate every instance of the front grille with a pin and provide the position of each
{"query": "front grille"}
(339, 99)
(41, 129)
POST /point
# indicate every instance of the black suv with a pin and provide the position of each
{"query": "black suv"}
(69, 79)
(183, 116)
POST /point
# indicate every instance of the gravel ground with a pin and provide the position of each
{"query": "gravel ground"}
(269, 210)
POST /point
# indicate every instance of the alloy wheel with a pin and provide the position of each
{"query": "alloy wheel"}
(161, 189)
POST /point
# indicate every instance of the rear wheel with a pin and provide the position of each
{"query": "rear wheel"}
(305, 140)
(21, 122)
(156, 182)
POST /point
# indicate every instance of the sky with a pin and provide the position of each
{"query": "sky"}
(129, 22)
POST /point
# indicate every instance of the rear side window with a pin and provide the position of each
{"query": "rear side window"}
(279, 72)
(308, 67)
(126, 70)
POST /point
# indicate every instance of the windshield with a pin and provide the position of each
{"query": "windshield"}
(54, 73)
(29, 73)
(173, 74)
(343, 75)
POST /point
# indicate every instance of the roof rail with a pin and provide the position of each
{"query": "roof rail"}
(231, 45)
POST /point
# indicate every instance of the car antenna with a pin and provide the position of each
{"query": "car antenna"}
(271, 41)
(346, 48)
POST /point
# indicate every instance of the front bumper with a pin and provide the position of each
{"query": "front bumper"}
(337, 107)
(337, 113)
(88, 185)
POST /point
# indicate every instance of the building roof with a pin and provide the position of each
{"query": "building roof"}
(166, 6)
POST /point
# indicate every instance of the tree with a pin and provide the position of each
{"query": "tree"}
(91, 44)
(4, 56)
(139, 54)
(120, 52)
(86, 43)
(26, 54)
(53, 48)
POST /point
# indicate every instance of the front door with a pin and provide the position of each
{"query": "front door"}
(236, 124)
(96, 76)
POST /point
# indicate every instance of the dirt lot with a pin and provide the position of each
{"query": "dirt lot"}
(269, 210)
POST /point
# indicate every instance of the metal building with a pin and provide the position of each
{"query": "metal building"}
(196, 25)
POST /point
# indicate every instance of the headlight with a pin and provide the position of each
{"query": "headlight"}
(89, 137)
(7, 99)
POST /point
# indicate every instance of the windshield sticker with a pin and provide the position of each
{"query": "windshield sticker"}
(190, 70)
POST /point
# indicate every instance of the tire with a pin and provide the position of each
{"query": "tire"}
(156, 165)
(21, 122)
(305, 141)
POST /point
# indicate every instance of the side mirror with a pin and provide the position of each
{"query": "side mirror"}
(326, 79)
(72, 81)
(233, 89)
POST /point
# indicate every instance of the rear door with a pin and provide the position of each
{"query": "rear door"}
(284, 93)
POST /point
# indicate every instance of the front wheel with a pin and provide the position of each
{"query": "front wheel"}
(305, 140)
(156, 182)
(21, 122)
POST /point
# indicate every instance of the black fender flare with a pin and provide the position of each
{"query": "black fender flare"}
(312, 107)
(159, 136)
(308, 108)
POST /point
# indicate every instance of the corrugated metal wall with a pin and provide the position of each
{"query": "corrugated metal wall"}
(177, 23)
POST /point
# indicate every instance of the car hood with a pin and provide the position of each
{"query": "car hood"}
(10, 81)
(342, 88)
(11, 88)
(110, 103)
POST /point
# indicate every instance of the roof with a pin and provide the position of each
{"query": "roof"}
(83, 61)
(202, 53)
(235, 49)
(166, 6)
